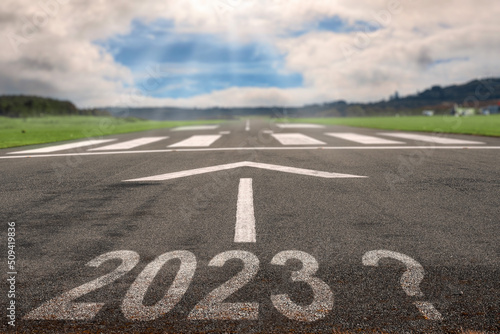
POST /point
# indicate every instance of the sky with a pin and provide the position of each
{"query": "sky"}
(230, 53)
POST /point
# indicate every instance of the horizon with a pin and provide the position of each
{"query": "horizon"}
(483, 83)
(235, 53)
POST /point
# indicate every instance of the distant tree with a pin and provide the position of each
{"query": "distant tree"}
(394, 97)
(34, 106)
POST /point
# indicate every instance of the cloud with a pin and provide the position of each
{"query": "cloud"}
(364, 66)
(358, 51)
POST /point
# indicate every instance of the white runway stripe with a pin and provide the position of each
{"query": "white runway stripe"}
(362, 139)
(197, 141)
(195, 128)
(296, 139)
(245, 217)
(126, 145)
(430, 138)
(63, 147)
(299, 126)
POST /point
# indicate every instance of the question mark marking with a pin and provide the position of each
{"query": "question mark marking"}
(429, 311)
(410, 280)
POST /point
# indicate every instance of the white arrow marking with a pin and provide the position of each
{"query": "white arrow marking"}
(245, 217)
(197, 171)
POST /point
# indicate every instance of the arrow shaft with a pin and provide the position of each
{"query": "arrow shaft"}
(245, 217)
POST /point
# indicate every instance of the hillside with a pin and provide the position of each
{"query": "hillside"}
(477, 93)
(441, 99)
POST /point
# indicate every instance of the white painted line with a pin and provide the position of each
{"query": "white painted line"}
(63, 147)
(431, 139)
(299, 126)
(197, 141)
(362, 139)
(428, 310)
(296, 139)
(245, 217)
(198, 171)
(280, 148)
(247, 125)
(268, 132)
(126, 145)
(225, 132)
(196, 128)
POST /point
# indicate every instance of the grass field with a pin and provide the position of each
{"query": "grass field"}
(474, 125)
(18, 132)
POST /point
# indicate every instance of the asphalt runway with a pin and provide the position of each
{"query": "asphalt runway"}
(251, 227)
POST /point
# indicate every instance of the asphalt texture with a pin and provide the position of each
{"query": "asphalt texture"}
(437, 206)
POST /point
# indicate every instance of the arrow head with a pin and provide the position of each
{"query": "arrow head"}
(278, 168)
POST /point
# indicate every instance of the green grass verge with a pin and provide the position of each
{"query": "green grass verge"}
(38, 130)
(474, 125)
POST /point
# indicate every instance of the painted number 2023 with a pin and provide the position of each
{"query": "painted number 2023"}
(212, 307)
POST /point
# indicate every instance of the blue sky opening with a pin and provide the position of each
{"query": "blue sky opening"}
(192, 64)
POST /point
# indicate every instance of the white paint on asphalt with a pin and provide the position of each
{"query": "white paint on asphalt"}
(280, 148)
(213, 307)
(63, 147)
(126, 145)
(322, 302)
(196, 128)
(197, 141)
(198, 171)
(224, 132)
(267, 132)
(298, 126)
(245, 217)
(133, 307)
(63, 307)
(296, 139)
(431, 139)
(362, 139)
(247, 125)
(410, 280)
(429, 311)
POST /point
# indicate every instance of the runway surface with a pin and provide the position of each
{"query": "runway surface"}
(254, 227)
